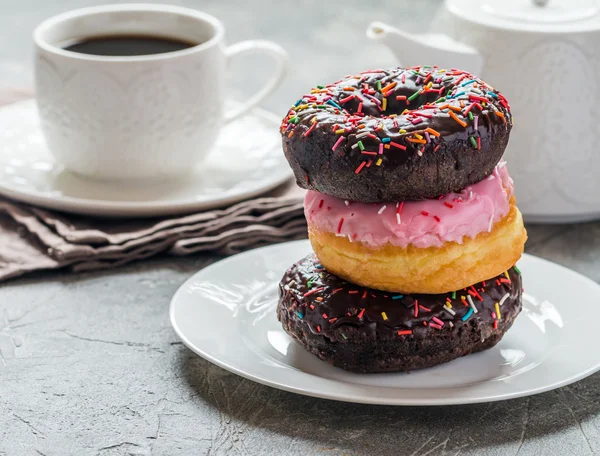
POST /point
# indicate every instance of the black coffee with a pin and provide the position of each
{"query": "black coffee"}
(124, 45)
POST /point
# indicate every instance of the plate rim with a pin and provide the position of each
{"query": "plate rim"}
(372, 400)
(132, 209)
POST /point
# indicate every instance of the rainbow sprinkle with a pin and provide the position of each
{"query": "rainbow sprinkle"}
(369, 111)
(467, 315)
(449, 310)
(471, 303)
(438, 316)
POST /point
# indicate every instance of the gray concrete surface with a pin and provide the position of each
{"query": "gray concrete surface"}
(90, 366)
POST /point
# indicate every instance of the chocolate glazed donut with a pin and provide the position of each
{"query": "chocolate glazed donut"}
(365, 330)
(395, 135)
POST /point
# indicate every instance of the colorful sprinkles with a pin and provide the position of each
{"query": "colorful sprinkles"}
(379, 112)
(405, 314)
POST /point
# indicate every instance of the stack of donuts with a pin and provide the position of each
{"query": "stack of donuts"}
(411, 216)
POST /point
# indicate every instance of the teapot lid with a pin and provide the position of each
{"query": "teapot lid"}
(532, 15)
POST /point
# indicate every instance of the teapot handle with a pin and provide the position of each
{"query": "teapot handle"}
(423, 49)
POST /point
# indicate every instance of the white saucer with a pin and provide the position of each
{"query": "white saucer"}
(226, 314)
(241, 166)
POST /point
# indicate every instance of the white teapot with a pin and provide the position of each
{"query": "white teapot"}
(544, 56)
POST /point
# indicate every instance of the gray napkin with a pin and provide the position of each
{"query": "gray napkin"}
(34, 239)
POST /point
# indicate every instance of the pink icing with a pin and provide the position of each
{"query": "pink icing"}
(423, 223)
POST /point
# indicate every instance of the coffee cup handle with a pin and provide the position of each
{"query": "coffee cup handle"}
(281, 62)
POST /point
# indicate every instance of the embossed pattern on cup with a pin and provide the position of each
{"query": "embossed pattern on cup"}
(134, 117)
(158, 119)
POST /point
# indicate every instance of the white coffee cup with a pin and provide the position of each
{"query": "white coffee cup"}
(137, 117)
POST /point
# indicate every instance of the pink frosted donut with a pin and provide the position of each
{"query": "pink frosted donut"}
(426, 246)
(425, 223)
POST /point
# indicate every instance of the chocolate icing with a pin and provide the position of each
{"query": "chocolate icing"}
(452, 157)
(337, 304)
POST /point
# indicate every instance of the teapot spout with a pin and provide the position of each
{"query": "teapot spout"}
(426, 49)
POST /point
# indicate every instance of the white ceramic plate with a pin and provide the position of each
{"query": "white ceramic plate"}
(240, 166)
(226, 314)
